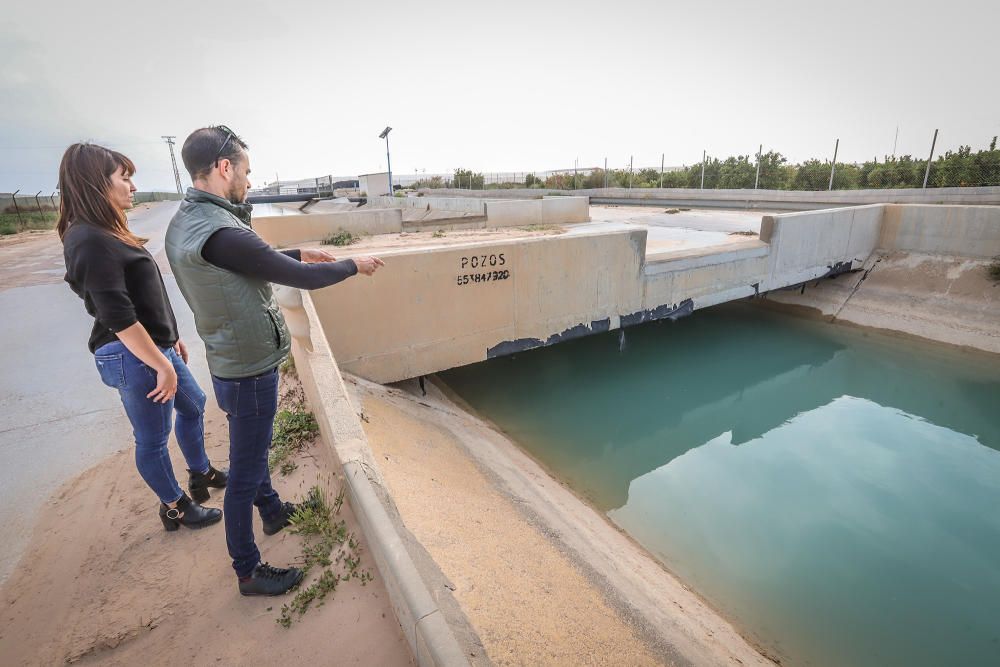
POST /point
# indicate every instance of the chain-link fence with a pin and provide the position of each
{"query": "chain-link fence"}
(21, 212)
(765, 170)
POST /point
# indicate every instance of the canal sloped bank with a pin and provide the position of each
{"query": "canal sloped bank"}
(542, 577)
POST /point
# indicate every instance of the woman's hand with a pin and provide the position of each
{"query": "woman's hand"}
(166, 383)
(368, 265)
(181, 349)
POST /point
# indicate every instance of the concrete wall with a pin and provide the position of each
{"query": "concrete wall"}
(454, 204)
(291, 230)
(807, 245)
(374, 184)
(967, 231)
(548, 211)
(779, 199)
(433, 313)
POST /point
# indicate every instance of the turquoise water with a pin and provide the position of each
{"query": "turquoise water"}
(834, 492)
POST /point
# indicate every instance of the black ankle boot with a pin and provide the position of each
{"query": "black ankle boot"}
(199, 483)
(188, 513)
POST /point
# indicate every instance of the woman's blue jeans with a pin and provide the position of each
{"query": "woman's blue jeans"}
(250, 404)
(151, 421)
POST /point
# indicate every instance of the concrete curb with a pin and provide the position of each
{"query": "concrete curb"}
(430, 638)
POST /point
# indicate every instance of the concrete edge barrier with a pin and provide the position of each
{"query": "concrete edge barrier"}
(738, 198)
(427, 632)
(282, 231)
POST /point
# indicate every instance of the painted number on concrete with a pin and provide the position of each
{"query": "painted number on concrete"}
(487, 277)
(483, 262)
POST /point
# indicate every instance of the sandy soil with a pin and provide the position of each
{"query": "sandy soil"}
(542, 577)
(102, 583)
(542, 613)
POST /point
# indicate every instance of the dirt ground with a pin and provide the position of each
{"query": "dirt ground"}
(103, 583)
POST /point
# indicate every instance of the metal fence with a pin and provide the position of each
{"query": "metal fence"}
(766, 170)
(20, 211)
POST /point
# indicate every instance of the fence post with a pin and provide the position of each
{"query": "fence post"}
(53, 201)
(756, 179)
(630, 173)
(833, 165)
(929, 158)
(605, 173)
(13, 197)
(662, 156)
(38, 204)
(703, 169)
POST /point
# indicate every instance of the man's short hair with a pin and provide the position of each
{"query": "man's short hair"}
(204, 148)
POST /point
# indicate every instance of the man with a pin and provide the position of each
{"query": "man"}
(224, 271)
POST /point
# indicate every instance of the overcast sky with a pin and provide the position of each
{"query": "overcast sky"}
(499, 86)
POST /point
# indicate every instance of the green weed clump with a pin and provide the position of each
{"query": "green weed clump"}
(293, 430)
(322, 532)
(341, 238)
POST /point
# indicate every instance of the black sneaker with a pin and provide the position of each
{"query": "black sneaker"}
(284, 517)
(267, 580)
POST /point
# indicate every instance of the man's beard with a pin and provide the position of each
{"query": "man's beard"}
(235, 196)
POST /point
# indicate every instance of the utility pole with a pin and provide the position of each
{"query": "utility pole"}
(605, 173)
(894, 142)
(929, 158)
(833, 165)
(662, 156)
(756, 179)
(630, 173)
(173, 160)
(703, 169)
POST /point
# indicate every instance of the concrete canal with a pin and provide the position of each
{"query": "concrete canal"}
(832, 490)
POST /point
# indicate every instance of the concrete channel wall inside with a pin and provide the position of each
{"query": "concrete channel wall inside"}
(283, 231)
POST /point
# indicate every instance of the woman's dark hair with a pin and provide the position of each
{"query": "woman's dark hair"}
(85, 190)
(204, 148)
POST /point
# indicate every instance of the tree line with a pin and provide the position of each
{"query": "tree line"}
(961, 168)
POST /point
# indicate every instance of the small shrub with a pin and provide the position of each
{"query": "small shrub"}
(994, 268)
(341, 238)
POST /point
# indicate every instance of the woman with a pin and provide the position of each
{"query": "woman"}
(134, 340)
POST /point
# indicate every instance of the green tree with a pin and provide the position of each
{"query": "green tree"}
(465, 178)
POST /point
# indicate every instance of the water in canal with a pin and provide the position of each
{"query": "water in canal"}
(835, 492)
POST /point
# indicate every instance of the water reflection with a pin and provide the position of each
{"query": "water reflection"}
(832, 490)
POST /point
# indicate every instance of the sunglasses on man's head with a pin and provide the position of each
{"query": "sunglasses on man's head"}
(229, 136)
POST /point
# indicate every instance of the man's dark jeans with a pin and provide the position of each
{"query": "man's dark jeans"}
(250, 405)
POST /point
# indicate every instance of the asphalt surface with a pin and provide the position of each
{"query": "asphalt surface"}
(56, 417)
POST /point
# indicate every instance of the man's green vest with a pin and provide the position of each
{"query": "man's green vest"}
(236, 315)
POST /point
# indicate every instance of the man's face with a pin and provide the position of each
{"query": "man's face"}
(239, 178)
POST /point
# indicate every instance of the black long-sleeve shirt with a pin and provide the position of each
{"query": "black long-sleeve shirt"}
(120, 285)
(242, 251)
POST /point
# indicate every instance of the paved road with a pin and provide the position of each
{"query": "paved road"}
(56, 418)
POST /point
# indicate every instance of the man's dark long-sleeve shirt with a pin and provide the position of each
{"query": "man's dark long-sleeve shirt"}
(242, 251)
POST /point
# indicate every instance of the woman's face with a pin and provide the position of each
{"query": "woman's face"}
(121, 189)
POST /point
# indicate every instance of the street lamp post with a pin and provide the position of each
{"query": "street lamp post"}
(385, 135)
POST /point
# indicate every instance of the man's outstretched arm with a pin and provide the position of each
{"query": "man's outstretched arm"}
(243, 251)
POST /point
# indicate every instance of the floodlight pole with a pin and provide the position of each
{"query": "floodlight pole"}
(388, 164)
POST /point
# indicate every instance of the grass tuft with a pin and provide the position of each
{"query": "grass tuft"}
(293, 430)
(322, 533)
(341, 238)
